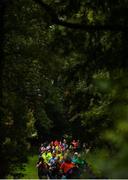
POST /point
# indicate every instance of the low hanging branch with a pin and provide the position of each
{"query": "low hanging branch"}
(91, 27)
(55, 20)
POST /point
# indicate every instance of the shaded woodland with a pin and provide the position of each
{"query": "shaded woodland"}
(64, 72)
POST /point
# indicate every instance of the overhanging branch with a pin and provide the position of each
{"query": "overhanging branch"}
(56, 21)
(91, 27)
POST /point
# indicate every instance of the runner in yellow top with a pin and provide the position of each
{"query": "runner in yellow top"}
(44, 156)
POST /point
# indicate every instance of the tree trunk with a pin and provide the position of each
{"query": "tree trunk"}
(3, 4)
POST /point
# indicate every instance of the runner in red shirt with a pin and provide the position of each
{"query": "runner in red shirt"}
(56, 143)
(65, 166)
(74, 144)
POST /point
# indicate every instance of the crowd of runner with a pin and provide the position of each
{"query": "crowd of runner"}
(60, 160)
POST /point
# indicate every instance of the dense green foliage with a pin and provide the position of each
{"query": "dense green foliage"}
(64, 71)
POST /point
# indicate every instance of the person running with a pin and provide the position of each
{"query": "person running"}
(66, 166)
(75, 157)
(75, 145)
(64, 145)
(52, 166)
(56, 143)
(42, 168)
(44, 156)
(59, 155)
(48, 155)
